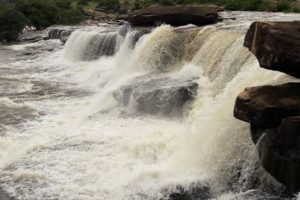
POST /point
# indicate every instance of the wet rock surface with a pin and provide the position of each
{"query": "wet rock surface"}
(193, 191)
(156, 94)
(174, 15)
(279, 153)
(59, 32)
(276, 45)
(273, 111)
(268, 105)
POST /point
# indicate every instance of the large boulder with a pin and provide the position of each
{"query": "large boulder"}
(276, 45)
(158, 94)
(174, 15)
(279, 153)
(267, 105)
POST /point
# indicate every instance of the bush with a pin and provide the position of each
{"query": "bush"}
(284, 6)
(41, 14)
(166, 2)
(108, 4)
(12, 24)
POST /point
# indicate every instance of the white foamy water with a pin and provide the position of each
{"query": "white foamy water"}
(79, 139)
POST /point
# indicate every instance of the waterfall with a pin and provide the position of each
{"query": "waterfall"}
(216, 147)
(57, 32)
(131, 114)
(86, 45)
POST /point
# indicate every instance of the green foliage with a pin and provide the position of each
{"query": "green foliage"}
(42, 14)
(108, 4)
(284, 6)
(166, 2)
(15, 14)
(12, 24)
(246, 5)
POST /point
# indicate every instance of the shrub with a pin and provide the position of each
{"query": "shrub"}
(12, 24)
(284, 6)
(108, 4)
(41, 14)
(166, 2)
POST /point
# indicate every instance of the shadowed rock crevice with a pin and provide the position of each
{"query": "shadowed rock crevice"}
(279, 152)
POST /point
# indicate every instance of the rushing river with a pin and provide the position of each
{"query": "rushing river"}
(118, 113)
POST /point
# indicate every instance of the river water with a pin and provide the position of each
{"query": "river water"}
(118, 113)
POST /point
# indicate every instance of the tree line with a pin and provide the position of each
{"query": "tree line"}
(15, 15)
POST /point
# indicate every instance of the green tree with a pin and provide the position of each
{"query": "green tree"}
(41, 14)
(108, 4)
(12, 24)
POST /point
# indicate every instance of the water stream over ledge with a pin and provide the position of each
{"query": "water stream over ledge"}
(119, 114)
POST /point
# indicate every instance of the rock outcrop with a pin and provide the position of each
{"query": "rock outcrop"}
(268, 105)
(174, 15)
(59, 32)
(274, 111)
(276, 45)
(279, 153)
(157, 94)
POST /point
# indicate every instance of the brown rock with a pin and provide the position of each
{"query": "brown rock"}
(276, 45)
(174, 15)
(279, 153)
(267, 105)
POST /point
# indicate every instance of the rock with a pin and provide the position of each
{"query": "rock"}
(279, 152)
(276, 45)
(31, 36)
(174, 15)
(194, 190)
(158, 94)
(267, 105)
(56, 32)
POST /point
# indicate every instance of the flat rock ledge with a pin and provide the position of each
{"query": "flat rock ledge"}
(268, 105)
(174, 15)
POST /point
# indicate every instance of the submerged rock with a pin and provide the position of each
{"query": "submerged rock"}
(31, 36)
(193, 191)
(276, 45)
(268, 105)
(279, 153)
(174, 15)
(158, 94)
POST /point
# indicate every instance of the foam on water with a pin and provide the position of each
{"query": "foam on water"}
(89, 146)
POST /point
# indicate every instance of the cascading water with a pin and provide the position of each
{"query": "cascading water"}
(129, 118)
(90, 44)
